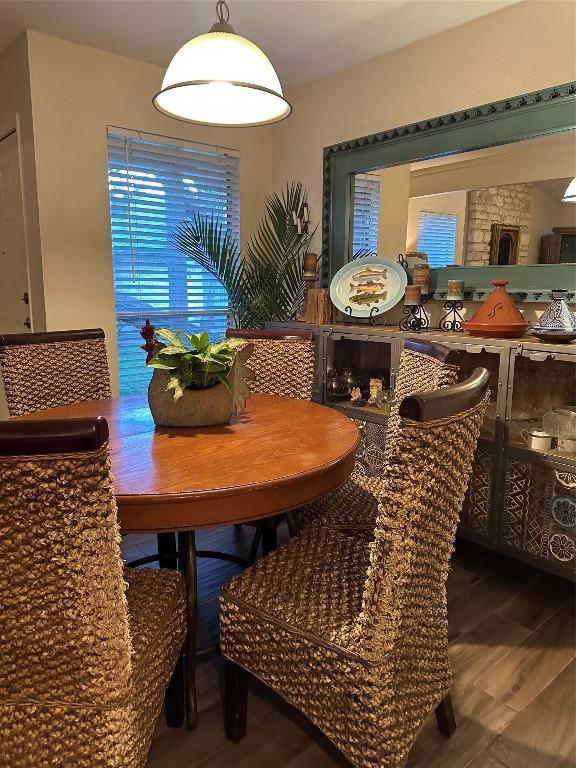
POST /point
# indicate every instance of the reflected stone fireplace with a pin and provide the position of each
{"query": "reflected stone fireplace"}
(498, 221)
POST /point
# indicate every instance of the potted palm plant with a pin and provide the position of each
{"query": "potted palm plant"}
(196, 383)
(265, 282)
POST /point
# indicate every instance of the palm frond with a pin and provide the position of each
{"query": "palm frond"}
(362, 252)
(207, 241)
(266, 284)
(275, 258)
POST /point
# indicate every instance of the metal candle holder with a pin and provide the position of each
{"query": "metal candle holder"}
(415, 318)
(452, 321)
(302, 223)
(371, 319)
(402, 261)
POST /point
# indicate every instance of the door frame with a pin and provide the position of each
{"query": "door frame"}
(5, 133)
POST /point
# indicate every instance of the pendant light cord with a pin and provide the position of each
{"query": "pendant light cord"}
(223, 13)
(221, 9)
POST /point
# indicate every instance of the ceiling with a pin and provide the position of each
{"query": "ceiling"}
(305, 39)
(554, 188)
(566, 140)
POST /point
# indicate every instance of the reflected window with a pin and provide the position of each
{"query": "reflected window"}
(437, 237)
(366, 209)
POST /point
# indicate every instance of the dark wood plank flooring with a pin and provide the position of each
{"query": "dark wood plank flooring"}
(512, 646)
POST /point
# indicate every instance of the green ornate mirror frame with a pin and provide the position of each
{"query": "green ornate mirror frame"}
(530, 116)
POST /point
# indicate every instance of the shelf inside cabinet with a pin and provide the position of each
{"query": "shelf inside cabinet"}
(365, 412)
(553, 454)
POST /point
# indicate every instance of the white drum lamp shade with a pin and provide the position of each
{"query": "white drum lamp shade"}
(221, 78)
(570, 194)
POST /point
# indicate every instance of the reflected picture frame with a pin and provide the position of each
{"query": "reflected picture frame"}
(504, 243)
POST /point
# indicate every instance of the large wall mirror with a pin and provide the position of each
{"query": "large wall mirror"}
(483, 188)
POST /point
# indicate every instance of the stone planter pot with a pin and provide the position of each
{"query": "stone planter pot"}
(197, 407)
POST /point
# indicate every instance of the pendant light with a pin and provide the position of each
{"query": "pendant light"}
(221, 78)
(570, 194)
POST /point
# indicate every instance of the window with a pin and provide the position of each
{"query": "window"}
(154, 184)
(437, 237)
(366, 207)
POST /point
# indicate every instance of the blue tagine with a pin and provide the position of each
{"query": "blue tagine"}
(557, 323)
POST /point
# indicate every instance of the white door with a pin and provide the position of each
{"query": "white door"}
(14, 309)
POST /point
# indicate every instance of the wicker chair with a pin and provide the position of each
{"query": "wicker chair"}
(86, 648)
(354, 633)
(354, 505)
(283, 364)
(45, 370)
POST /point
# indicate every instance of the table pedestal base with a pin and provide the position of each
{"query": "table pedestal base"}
(191, 623)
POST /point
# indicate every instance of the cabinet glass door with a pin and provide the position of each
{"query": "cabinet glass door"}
(539, 513)
(477, 518)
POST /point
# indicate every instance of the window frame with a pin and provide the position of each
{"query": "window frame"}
(141, 241)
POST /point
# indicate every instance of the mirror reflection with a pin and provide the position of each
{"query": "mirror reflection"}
(495, 206)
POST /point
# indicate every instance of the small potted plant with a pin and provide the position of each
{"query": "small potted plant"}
(195, 383)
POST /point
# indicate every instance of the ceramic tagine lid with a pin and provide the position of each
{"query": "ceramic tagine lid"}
(498, 317)
(557, 323)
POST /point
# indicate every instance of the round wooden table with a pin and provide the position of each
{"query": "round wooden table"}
(278, 455)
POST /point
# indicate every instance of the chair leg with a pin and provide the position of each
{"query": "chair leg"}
(167, 550)
(191, 625)
(445, 716)
(292, 525)
(269, 538)
(267, 533)
(174, 700)
(257, 538)
(235, 701)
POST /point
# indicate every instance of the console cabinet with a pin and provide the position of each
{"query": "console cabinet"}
(521, 500)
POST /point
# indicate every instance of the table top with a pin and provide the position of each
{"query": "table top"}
(278, 455)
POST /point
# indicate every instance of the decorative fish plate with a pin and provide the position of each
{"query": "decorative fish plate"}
(369, 285)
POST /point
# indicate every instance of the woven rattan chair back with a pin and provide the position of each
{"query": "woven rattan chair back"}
(65, 637)
(282, 361)
(422, 368)
(46, 370)
(426, 478)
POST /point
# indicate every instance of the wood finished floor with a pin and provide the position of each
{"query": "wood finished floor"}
(512, 646)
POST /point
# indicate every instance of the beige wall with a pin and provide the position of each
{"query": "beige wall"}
(568, 215)
(519, 49)
(546, 214)
(77, 92)
(393, 213)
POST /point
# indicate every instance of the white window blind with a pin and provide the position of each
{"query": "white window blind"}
(366, 207)
(154, 184)
(437, 237)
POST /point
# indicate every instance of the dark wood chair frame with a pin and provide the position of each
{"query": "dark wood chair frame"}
(50, 337)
